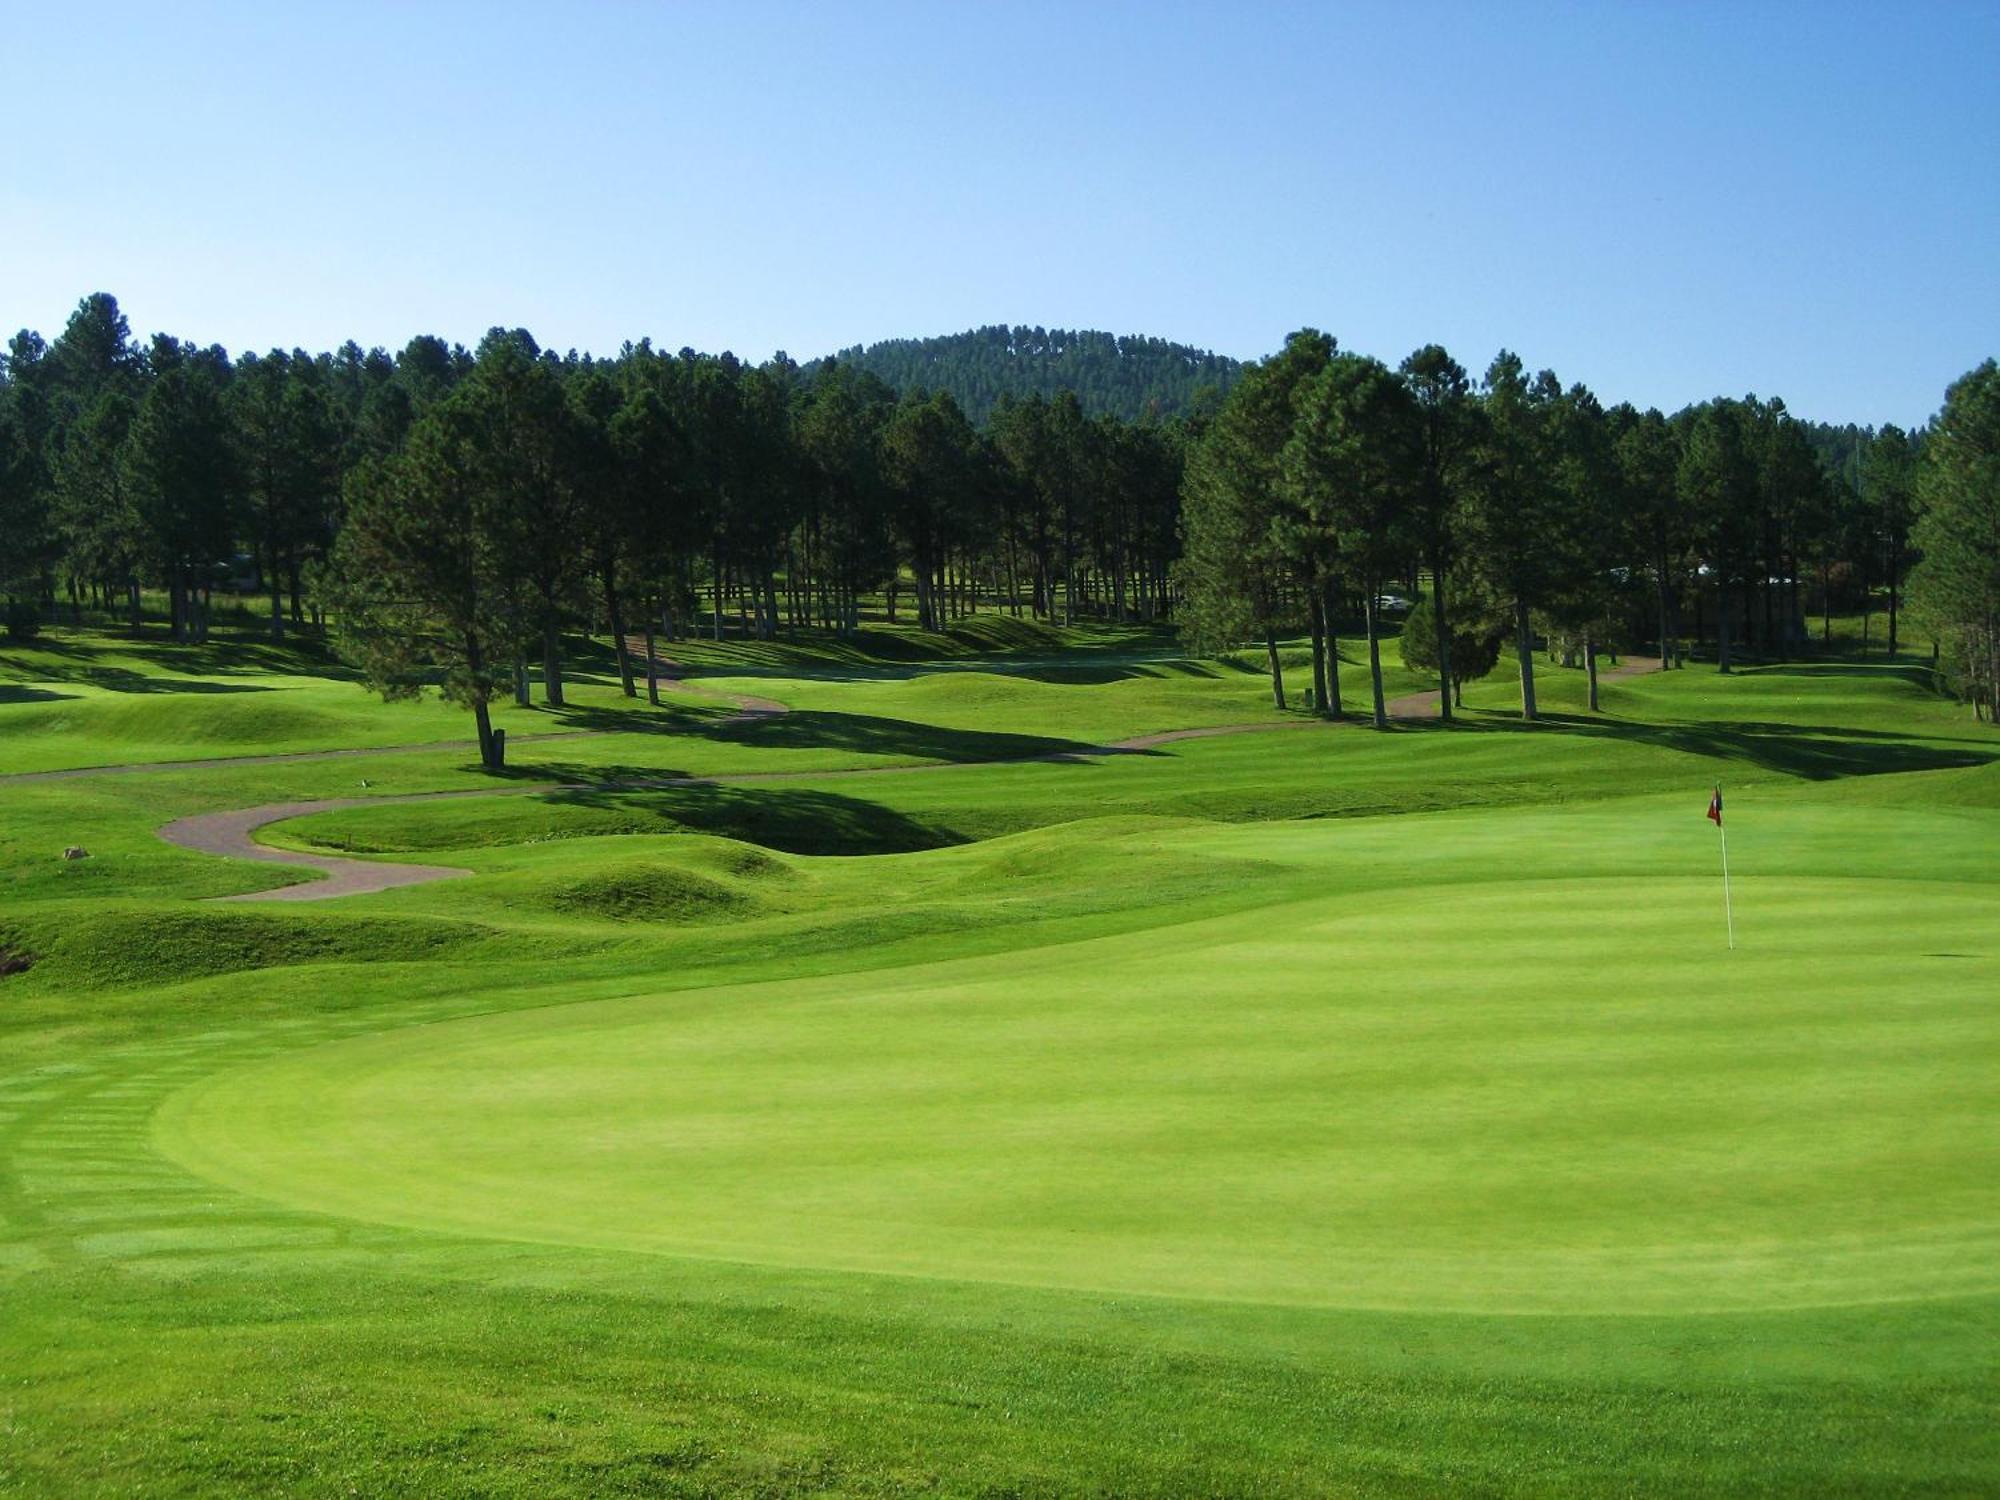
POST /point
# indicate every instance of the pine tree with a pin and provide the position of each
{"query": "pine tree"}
(1956, 587)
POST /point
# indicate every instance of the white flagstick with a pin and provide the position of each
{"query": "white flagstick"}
(1728, 911)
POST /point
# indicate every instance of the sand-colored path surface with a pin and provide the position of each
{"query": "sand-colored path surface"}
(228, 833)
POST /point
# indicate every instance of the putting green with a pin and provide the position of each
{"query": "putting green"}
(1522, 1097)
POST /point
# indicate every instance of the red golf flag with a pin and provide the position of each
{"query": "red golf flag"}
(1715, 808)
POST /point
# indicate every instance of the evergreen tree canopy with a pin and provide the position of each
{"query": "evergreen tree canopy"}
(1122, 376)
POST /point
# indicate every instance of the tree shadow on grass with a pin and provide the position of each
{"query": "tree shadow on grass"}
(1085, 674)
(868, 734)
(1811, 752)
(306, 657)
(1067, 668)
(61, 660)
(798, 820)
(124, 680)
(11, 692)
(1916, 674)
(859, 734)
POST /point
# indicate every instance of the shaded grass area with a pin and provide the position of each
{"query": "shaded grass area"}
(95, 700)
(81, 698)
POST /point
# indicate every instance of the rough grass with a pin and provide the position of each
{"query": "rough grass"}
(642, 891)
(86, 949)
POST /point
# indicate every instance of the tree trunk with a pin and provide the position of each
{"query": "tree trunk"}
(1722, 629)
(1443, 638)
(132, 604)
(1666, 613)
(489, 750)
(475, 659)
(611, 607)
(552, 682)
(652, 668)
(1867, 599)
(1524, 651)
(521, 699)
(1375, 658)
(1277, 672)
(1318, 626)
(1993, 670)
(1895, 559)
(277, 607)
(1590, 666)
(1069, 567)
(1326, 613)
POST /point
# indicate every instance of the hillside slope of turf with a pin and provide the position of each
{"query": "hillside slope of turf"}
(1303, 1113)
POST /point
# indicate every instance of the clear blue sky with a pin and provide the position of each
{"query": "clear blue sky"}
(1664, 201)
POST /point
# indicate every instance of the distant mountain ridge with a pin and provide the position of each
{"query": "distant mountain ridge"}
(1126, 375)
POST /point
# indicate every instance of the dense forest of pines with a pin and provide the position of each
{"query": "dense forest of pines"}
(1111, 376)
(455, 513)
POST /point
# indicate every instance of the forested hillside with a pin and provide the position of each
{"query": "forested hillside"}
(1127, 377)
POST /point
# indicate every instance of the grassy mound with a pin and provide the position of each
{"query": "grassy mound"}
(795, 819)
(131, 947)
(429, 827)
(645, 891)
(742, 861)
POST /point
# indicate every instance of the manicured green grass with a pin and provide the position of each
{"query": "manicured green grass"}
(1390, 1098)
(96, 701)
(1312, 1112)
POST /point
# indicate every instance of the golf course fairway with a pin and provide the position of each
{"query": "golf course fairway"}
(1330, 1112)
(1542, 1095)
